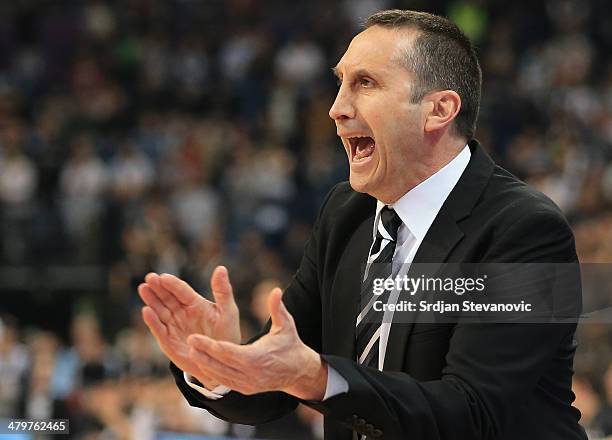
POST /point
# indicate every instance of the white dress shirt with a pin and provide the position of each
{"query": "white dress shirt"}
(417, 209)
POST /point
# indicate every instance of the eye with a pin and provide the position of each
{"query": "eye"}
(366, 82)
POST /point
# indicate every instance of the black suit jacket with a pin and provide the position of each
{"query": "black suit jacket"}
(440, 382)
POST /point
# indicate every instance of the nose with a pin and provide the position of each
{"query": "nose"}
(343, 106)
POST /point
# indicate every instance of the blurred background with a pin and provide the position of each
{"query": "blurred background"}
(175, 135)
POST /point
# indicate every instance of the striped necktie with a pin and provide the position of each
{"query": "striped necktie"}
(369, 321)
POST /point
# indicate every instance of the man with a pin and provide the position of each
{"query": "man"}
(406, 108)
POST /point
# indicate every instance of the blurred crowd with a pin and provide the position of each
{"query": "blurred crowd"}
(120, 390)
(175, 135)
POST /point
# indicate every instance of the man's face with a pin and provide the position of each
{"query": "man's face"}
(380, 129)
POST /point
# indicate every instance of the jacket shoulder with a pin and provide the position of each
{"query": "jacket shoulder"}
(520, 223)
(511, 200)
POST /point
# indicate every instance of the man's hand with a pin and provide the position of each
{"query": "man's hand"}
(278, 361)
(174, 311)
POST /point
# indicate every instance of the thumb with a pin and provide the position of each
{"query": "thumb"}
(221, 288)
(281, 318)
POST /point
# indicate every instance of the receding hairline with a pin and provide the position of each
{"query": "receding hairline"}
(401, 47)
(406, 44)
(420, 30)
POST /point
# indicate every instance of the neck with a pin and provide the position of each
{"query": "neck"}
(437, 157)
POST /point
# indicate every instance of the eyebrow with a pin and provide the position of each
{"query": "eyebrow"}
(358, 73)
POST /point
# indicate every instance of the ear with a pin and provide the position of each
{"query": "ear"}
(445, 106)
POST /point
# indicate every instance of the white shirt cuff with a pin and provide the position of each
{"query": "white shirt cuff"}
(218, 392)
(336, 384)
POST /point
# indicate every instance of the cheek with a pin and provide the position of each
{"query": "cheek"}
(403, 130)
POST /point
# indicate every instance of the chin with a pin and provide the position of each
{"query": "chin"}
(358, 184)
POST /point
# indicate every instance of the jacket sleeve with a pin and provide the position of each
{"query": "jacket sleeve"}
(489, 367)
(302, 299)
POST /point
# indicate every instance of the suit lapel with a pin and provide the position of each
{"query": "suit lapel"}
(346, 289)
(442, 237)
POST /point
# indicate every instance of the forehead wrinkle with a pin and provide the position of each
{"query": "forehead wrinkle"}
(380, 73)
(359, 71)
(359, 67)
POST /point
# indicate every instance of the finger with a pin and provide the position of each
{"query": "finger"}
(158, 329)
(217, 370)
(163, 293)
(154, 281)
(233, 354)
(152, 278)
(152, 300)
(222, 289)
(281, 318)
(179, 289)
(160, 332)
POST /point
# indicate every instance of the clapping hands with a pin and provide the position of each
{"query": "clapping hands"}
(202, 338)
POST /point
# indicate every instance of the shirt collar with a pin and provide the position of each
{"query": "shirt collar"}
(419, 207)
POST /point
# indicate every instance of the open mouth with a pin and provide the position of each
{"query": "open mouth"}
(362, 147)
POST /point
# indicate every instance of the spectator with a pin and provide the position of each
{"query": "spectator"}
(14, 360)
